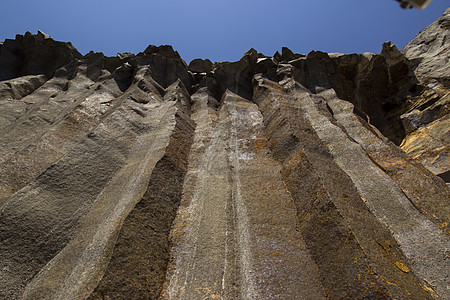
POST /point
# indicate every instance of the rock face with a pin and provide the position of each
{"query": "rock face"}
(142, 177)
(426, 117)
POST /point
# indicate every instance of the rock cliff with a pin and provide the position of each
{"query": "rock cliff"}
(426, 117)
(285, 177)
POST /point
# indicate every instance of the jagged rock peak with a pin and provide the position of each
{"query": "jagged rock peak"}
(429, 51)
(199, 65)
(32, 54)
(164, 50)
(286, 55)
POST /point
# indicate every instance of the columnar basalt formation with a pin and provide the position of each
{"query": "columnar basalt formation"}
(319, 176)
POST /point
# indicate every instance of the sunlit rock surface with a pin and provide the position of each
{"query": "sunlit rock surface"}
(286, 177)
(426, 117)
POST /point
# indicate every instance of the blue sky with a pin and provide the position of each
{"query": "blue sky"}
(217, 29)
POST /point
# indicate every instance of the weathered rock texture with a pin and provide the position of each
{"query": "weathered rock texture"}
(426, 117)
(142, 177)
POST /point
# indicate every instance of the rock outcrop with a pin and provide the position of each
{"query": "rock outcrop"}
(426, 117)
(285, 177)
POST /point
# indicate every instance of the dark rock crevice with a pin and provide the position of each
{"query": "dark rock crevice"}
(142, 252)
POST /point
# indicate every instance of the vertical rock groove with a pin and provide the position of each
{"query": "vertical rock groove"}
(416, 235)
(326, 232)
(141, 252)
(212, 258)
(331, 183)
